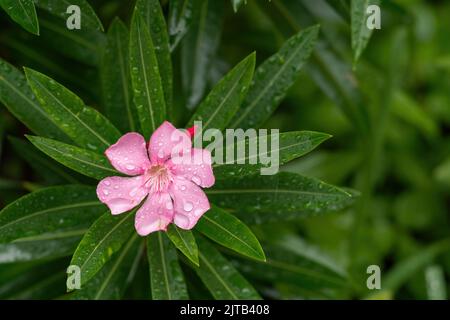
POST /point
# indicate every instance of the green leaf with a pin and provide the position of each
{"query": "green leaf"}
(112, 280)
(284, 196)
(274, 77)
(84, 125)
(220, 277)
(23, 12)
(105, 237)
(360, 32)
(84, 45)
(50, 211)
(154, 19)
(229, 231)
(17, 96)
(293, 267)
(50, 170)
(184, 240)
(89, 19)
(199, 47)
(237, 4)
(291, 145)
(41, 248)
(145, 77)
(166, 278)
(225, 98)
(86, 162)
(116, 79)
(180, 19)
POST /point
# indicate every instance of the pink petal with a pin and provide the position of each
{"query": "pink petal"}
(190, 202)
(195, 166)
(167, 140)
(155, 214)
(121, 194)
(129, 154)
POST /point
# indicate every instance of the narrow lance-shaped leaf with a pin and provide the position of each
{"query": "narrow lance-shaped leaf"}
(361, 33)
(84, 45)
(280, 197)
(60, 8)
(105, 237)
(273, 78)
(167, 282)
(86, 162)
(237, 4)
(116, 79)
(51, 171)
(180, 19)
(145, 77)
(199, 47)
(288, 266)
(220, 277)
(229, 231)
(41, 248)
(23, 12)
(84, 125)
(17, 96)
(154, 19)
(291, 145)
(225, 98)
(184, 240)
(112, 280)
(51, 211)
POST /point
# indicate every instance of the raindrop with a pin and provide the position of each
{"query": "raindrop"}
(188, 206)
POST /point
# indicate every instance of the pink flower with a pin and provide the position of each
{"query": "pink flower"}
(170, 173)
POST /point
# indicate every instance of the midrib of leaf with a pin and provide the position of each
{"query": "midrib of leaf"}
(233, 235)
(361, 24)
(277, 191)
(297, 269)
(266, 153)
(86, 17)
(182, 239)
(216, 274)
(124, 83)
(141, 53)
(211, 118)
(71, 35)
(115, 266)
(74, 115)
(25, 11)
(271, 82)
(201, 25)
(36, 106)
(80, 160)
(103, 239)
(163, 261)
(37, 213)
(52, 236)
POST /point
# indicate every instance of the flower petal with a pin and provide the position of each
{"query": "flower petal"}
(167, 141)
(155, 214)
(195, 166)
(129, 154)
(190, 202)
(121, 194)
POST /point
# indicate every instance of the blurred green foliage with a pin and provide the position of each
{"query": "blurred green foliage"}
(389, 114)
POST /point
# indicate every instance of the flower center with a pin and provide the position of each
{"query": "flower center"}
(157, 178)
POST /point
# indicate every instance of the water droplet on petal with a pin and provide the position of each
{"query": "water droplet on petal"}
(105, 192)
(188, 206)
(197, 180)
(169, 205)
(107, 183)
(130, 167)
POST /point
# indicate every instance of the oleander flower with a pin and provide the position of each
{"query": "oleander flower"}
(169, 173)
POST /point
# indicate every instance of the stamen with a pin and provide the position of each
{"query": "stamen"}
(158, 178)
